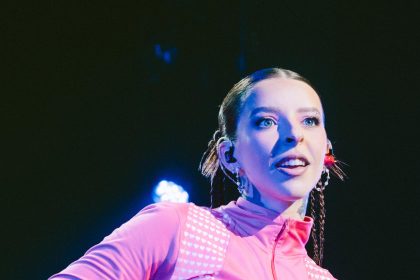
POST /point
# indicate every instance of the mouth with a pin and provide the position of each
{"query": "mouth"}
(292, 165)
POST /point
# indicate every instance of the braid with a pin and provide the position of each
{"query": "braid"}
(210, 167)
(209, 162)
(321, 223)
(313, 232)
(317, 234)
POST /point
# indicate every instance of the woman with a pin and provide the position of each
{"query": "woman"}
(272, 144)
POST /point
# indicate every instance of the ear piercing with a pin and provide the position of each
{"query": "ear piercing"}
(242, 187)
(329, 159)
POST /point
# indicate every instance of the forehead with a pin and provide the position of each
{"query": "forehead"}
(285, 94)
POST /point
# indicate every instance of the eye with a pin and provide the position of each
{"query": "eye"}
(265, 122)
(311, 121)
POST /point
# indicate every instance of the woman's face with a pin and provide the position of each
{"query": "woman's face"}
(281, 140)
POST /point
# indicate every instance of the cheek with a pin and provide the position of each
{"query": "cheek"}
(255, 148)
(319, 148)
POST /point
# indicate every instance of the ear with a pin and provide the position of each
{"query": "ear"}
(225, 153)
(329, 146)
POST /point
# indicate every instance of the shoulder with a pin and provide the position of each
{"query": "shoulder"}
(164, 210)
(147, 245)
(171, 210)
(151, 238)
(162, 217)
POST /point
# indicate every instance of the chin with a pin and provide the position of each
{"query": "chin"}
(295, 192)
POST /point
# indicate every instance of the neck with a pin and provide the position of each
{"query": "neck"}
(289, 209)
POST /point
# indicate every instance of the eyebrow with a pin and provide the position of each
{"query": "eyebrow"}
(276, 110)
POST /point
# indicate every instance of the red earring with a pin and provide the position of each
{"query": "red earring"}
(329, 159)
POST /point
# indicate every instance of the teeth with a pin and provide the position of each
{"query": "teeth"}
(293, 162)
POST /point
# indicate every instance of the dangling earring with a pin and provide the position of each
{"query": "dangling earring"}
(330, 164)
(238, 182)
(323, 182)
(242, 183)
(329, 161)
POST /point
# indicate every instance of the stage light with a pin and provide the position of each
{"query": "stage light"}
(167, 55)
(169, 191)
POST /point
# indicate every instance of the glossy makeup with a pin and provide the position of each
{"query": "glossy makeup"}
(281, 141)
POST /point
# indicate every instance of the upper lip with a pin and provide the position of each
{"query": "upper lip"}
(280, 160)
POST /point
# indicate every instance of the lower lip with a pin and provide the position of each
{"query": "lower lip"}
(296, 171)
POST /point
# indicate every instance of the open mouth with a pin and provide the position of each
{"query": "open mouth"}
(292, 162)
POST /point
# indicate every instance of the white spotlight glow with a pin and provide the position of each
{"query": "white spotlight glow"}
(169, 191)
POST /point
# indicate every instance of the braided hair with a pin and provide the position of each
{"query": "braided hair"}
(210, 165)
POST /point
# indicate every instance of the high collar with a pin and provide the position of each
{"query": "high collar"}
(245, 218)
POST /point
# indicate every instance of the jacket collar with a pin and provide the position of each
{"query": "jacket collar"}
(245, 218)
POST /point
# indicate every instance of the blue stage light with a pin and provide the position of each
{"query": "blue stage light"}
(165, 54)
(169, 191)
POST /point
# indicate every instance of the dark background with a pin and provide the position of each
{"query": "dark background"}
(94, 116)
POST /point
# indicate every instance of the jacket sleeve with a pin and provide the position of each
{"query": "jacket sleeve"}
(145, 247)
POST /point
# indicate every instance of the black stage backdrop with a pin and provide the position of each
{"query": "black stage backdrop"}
(101, 100)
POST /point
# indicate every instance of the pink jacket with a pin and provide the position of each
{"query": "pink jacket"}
(182, 241)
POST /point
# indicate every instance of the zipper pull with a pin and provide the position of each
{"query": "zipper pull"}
(273, 265)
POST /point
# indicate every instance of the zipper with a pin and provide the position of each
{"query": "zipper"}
(273, 266)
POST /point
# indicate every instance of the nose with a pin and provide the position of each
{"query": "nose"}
(292, 134)
(289, 136)
(294, 138)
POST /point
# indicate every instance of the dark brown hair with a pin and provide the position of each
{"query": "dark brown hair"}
(229, 113)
